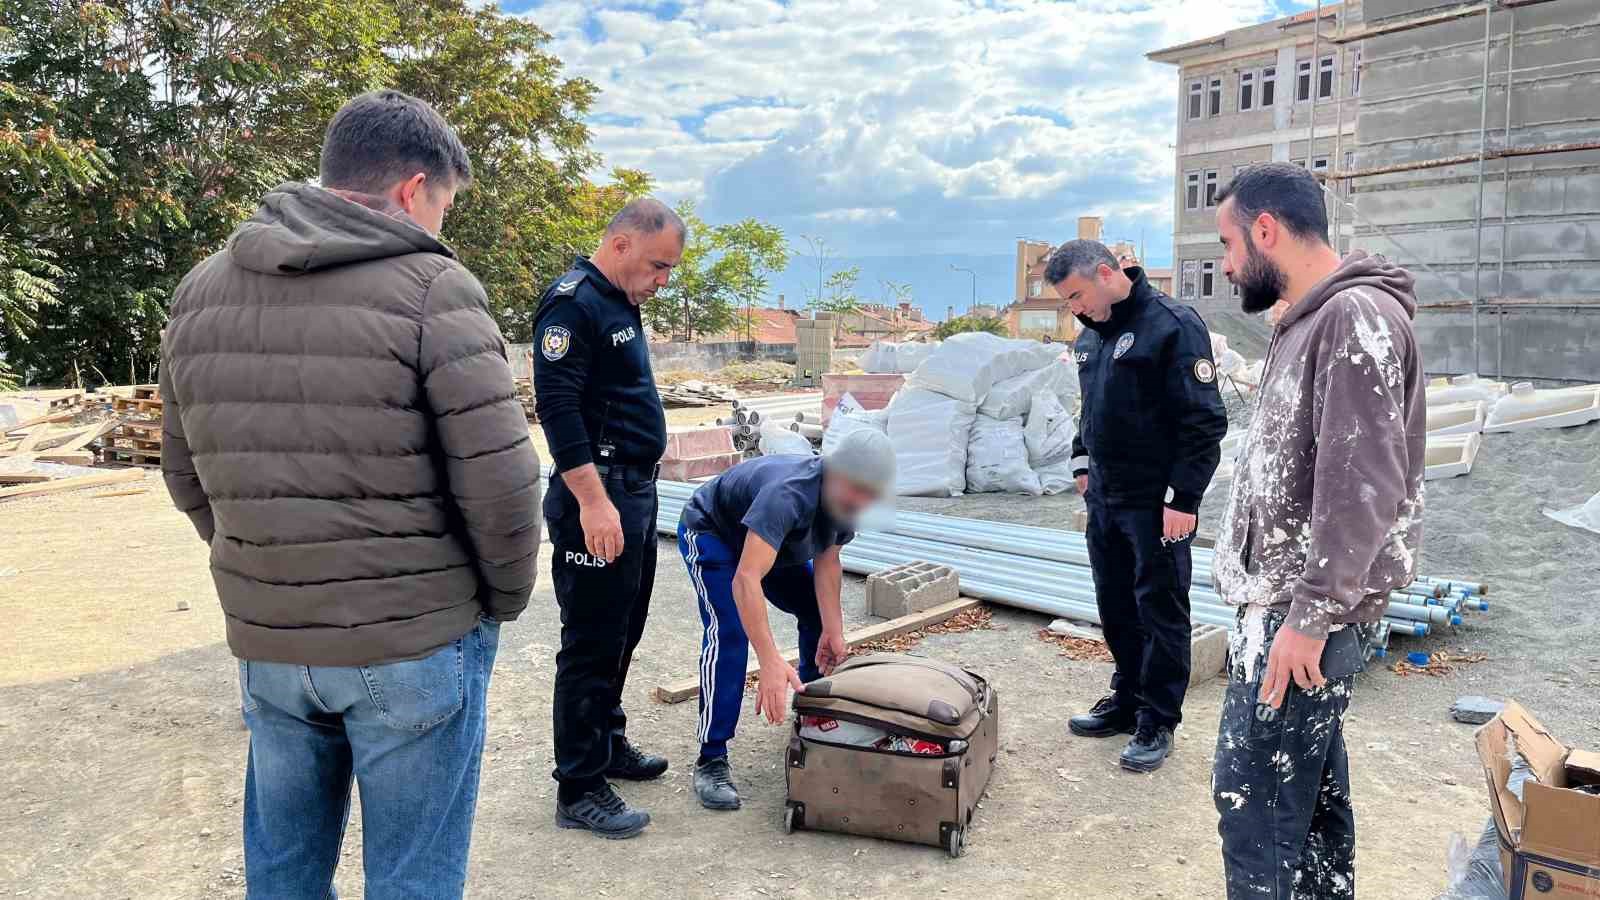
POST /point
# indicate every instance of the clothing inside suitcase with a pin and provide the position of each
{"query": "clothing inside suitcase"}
(886, 789)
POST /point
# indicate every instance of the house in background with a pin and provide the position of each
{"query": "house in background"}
(1036, 310)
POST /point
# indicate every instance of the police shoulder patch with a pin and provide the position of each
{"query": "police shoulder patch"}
(1204, 371)
(555, 342)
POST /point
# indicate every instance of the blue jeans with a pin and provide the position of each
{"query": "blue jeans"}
(411, 734)
(724, 647)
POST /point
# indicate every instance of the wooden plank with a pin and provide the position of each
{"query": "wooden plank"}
(34, 438)
(125, 493)
(88, 435)
(689, 688)
(22, 477)
(66, 457)
(117, 476)
(45, 419)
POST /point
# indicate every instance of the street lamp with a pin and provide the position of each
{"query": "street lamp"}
(956, 268)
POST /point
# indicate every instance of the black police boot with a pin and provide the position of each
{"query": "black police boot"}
(602, 812)
(630, 763)
(1104, 720)
(1149, 748)
(713, 784)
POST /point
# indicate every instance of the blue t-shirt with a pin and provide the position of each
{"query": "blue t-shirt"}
(777, 497)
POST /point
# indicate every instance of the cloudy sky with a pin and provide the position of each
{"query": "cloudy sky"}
(936, 128)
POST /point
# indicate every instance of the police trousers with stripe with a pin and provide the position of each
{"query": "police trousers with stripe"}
(724, 647)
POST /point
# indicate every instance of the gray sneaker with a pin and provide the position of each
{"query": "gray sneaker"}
(602, 812)
(713, 784)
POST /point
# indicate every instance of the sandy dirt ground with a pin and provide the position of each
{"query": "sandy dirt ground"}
(123, 749)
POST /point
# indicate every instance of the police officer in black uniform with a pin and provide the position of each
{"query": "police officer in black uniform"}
(1149, 439)
(597, 401)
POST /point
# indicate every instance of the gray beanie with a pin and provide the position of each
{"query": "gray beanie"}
(866, 457)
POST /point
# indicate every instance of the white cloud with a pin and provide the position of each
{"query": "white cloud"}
(938, 125)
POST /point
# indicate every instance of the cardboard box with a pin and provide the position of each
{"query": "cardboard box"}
(1549, 839)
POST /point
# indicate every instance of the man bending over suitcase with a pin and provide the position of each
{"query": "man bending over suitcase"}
(770, 529)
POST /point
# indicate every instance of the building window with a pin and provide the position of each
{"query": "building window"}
(1211, 187)
(1186, 279)
(1320, 164)
(1030, 320)
(1035, 286)
(1247, 91)
(1302, 81)
(1269, 85)
(1325, 78)
(1208, 279)
(1214, 98)
(1355, 76)
(1197, 91)
(1191, 191)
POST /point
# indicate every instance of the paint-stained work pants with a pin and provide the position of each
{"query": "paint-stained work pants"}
(1282, 783)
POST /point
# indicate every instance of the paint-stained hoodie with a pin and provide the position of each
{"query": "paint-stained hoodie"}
(1325, 515)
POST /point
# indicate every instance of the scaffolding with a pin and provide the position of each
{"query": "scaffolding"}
(1338, 175)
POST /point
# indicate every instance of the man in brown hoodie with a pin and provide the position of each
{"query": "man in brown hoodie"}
(1324, 520)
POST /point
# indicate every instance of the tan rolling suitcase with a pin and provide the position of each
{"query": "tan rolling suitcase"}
(919, 781)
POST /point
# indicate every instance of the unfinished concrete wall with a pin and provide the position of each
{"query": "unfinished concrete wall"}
(1545, 342)
(1421, 99)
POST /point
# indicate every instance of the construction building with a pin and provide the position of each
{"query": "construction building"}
(1036, 310)
(1461, 139)
(1477, 167)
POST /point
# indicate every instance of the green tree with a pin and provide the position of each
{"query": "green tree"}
(961, 324)
(723, 268)
(195, 108)
(33, 165)
(838, 292)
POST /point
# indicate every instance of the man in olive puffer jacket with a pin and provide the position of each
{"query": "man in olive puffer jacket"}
(341, 426)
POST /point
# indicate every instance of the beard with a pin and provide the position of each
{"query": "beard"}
(1261, 283)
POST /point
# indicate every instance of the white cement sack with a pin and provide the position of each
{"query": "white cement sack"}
(881, 357)
(1230, 363)
(1056, 477)
(930, 433)
(1586, 516)
(967, 365)
(1014, 396)
(843, 423)
(1049, 432)
(997, 458)
(908, 356)
(778, 440)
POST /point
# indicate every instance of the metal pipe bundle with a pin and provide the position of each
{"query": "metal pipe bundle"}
(1047, 570)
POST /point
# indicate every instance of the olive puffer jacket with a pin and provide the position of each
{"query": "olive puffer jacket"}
(342, 427)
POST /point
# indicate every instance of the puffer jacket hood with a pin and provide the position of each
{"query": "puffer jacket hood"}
(303, 228)
(1359, 269)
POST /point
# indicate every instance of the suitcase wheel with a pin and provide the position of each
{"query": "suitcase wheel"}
(793, 817)
(955, 841)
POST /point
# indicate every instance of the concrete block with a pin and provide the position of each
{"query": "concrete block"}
(911, 588)
(696, 467)
(1208, 653)
(691, 442)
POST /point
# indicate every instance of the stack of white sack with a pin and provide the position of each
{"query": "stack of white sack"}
(848, 416)
(888, 357)
(1013, 397)
(1048, 437)
(967, 366)
(997, 458)
(930, 433)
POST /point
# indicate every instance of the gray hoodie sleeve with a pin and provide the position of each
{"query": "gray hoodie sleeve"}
(492, 469)
(1361, 496)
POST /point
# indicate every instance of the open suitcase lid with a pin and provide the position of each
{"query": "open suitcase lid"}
(910, 694)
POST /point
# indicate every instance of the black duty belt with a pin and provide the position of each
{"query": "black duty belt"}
(619, 470)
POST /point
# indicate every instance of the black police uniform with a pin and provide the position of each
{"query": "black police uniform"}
(597, 401)
(1149, 436)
